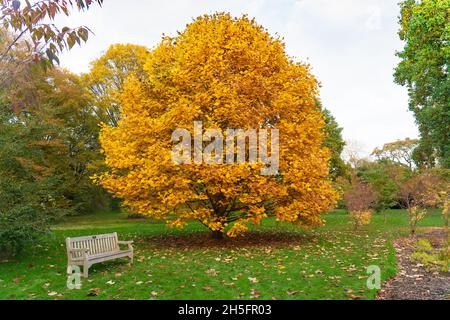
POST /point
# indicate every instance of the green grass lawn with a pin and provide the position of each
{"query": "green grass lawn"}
(274, 261)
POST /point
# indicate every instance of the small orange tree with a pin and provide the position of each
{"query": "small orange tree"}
(417, 194)
(228, 73)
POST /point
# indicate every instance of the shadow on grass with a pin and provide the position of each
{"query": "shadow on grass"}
(199, 240)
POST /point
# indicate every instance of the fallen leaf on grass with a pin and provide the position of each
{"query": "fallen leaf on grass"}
(228, 284)
(254, 294)
(93, 292)
(110, 282)
(212, 272)
(237, 276)
(253, 280)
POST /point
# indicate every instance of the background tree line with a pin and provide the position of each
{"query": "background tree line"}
(394, 179)
(413, 174)
(48, 136)
(49, 120)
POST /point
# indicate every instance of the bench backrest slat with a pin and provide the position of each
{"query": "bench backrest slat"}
(96, 244)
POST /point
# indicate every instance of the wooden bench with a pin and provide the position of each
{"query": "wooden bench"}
(86, 251)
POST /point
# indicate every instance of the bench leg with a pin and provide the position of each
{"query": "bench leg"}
(131, 258)
(86, 270)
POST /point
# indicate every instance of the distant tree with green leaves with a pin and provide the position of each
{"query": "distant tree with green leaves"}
(62, 99)
(400, 151)
(334, 142)
(48, 150)
(30, 193)
(423, 69)
(424, 155)
(386, 177)
(46, 137)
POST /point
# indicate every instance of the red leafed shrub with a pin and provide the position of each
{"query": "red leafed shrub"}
(360, 196)
(358, 199)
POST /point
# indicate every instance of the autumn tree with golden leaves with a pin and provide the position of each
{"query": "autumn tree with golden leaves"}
(227, 73)
(108, 75)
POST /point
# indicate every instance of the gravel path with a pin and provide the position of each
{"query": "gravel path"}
(413, 281)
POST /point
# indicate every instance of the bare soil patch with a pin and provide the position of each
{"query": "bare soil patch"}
(251, 239)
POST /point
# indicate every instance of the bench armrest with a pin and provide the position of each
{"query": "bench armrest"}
(129, 243)
(125, 242)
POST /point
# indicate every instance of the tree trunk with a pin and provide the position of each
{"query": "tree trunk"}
(218, 235)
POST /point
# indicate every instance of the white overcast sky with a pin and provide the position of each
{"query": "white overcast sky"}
(351, 45)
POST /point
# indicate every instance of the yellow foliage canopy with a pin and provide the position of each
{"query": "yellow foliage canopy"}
(228, 73)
